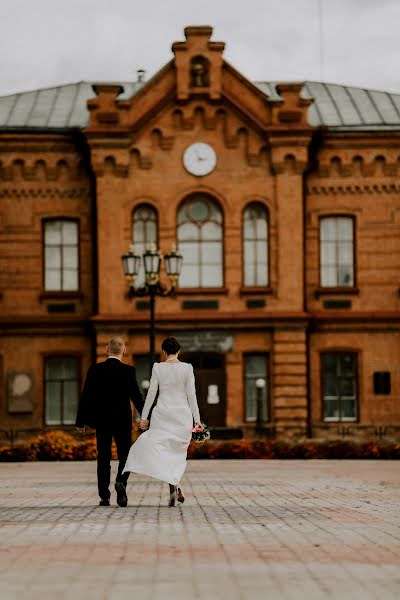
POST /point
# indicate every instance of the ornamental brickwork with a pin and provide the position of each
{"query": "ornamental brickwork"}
(130, 154)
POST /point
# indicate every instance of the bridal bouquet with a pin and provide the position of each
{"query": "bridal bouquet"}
(201, 435)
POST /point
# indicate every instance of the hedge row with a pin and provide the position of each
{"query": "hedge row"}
(308, 449)
(58, 445)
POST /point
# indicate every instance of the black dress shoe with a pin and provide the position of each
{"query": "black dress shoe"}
(104, 503)
(122, 499)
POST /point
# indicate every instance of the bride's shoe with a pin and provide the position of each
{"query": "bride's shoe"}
(173, 496)
(181, 497)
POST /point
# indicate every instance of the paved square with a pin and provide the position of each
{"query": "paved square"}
(248, 530)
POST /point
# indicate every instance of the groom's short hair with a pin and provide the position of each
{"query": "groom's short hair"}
(116, 345)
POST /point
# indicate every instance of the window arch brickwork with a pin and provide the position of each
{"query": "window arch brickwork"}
(144, 232)
(200, 239)
(255, 246)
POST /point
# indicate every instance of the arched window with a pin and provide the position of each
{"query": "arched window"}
(255, 246)
(336, 237)
(144, 232)
(200, 239)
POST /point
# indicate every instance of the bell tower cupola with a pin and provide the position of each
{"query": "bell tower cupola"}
(198, 63)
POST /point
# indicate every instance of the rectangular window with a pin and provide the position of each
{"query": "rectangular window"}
(61, 390)
(337, 252)
(256, 367)
(339, 386)
(61, 260)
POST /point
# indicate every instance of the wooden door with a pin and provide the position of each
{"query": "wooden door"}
(209, 371)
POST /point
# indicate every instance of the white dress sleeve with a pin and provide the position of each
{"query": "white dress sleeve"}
(191, 394)
(151, 393)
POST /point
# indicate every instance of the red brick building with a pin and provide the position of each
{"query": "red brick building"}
(287, 216)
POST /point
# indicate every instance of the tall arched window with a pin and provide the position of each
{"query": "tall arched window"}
(336, 236)
(200, 239)
(144, 232)
(255, 246)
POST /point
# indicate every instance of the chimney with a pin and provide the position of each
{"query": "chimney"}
(140, 75)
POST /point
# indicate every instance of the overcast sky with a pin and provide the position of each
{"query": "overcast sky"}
(50, 42)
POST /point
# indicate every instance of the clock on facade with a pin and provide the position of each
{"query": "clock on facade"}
(199, 159)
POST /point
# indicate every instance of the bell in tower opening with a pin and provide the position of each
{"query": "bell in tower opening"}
(199, 72)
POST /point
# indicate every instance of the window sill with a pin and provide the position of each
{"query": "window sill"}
(335, 291)
(248, 291)
(340, 420)
(200, 291)
(60, 296)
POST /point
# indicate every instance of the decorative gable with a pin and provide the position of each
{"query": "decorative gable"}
(197, 86)
(198, 64)
(198, 71)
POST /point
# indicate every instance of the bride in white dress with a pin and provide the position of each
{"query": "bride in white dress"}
(161, 451)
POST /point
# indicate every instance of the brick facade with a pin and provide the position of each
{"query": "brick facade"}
(131, 154)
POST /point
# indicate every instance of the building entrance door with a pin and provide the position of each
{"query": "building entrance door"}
(209, 371)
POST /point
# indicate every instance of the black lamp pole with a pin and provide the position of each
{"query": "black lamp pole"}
(152, 294)
(152, 259)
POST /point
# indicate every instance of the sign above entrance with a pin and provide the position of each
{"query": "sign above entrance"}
(205, 341)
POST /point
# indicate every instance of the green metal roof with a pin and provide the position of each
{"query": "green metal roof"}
(335, 106)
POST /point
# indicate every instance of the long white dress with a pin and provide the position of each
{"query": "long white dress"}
(161, 451)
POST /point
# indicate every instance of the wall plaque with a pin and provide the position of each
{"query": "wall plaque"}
(213, 396)
(20, 392)
(205, 341)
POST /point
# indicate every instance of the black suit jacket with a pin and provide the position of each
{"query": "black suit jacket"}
(105, 401)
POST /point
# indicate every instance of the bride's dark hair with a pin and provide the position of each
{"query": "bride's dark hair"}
(171, 345)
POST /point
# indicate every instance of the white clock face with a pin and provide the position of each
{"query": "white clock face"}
(199, 159)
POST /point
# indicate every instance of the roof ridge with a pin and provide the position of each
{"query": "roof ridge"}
(335, 105)
(42, 89)
(54, 87)
(256, 82)
(343, 85)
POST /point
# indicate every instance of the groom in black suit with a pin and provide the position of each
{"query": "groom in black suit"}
(105, 405)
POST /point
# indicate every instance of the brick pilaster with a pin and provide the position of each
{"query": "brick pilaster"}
(289, 382)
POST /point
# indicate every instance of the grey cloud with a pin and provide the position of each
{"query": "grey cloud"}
(45, 43)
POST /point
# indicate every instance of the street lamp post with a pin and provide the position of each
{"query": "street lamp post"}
(260, 385)
(152, 259)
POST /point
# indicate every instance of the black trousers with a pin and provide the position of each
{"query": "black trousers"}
(123, 441)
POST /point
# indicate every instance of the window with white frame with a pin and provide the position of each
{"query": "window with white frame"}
(61, 256)
(61, 390)
(337, 252)
(255, 367)
(339, 386)
(255, 246)
(144, 233)
(200, 239)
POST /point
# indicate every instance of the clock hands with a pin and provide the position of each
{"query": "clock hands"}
(199, 157)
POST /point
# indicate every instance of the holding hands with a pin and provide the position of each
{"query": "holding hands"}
(144, 424)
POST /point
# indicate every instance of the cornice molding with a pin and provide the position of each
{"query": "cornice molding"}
(24, 192)
(353, 189)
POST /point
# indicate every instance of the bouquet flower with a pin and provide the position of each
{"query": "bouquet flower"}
(201, 435)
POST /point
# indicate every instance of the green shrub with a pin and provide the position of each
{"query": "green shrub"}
(58, 445)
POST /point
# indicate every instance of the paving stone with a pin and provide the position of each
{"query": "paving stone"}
(248, 530)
